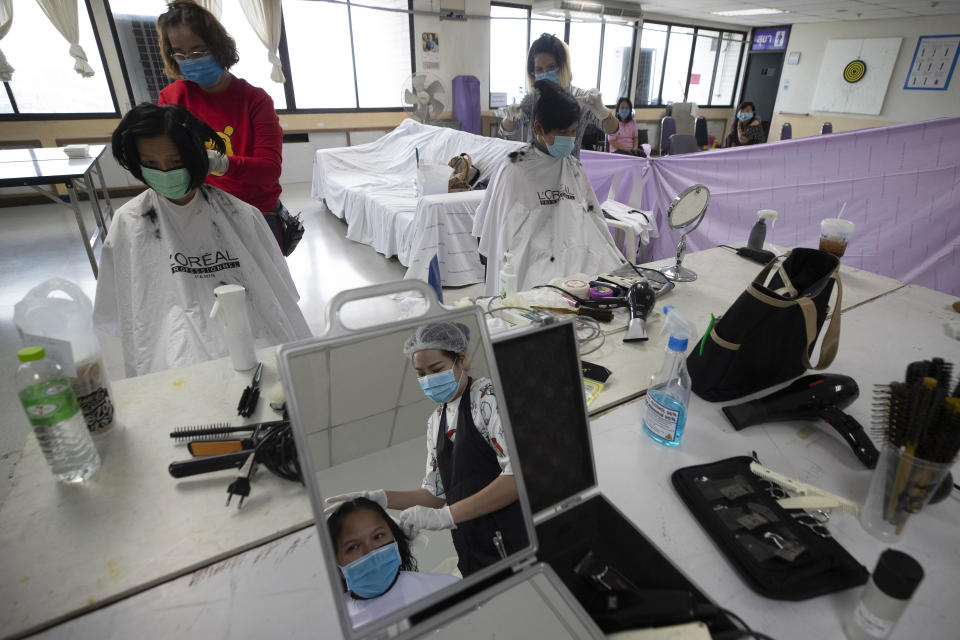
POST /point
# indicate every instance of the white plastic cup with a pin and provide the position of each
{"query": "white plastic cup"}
(834, 235)
(901, 486)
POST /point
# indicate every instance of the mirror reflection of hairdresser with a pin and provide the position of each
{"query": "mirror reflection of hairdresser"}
(469, 486)
(172, 245)
(549, 59)
(377, 566)
(540, 207)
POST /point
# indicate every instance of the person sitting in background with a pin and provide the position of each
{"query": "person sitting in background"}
(625, 140)
(746, 128)
(378, 570)
(170, 247)
(540, 208)
(197, 53)
(549, 59)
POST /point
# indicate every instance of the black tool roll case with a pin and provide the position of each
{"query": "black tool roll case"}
(780, 554)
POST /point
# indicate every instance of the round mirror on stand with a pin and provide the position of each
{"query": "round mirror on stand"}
(685, 212)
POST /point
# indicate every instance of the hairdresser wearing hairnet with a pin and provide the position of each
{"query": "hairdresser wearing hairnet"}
(469, 486)
(549, 59)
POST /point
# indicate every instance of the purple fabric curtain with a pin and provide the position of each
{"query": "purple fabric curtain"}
(901, 184)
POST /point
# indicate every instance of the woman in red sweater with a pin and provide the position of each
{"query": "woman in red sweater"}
(197, 53)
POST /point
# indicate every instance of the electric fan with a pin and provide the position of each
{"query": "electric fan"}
(424, 97)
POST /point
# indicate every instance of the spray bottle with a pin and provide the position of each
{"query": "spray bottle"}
(231, 306)
(665, 407)
(759, 232)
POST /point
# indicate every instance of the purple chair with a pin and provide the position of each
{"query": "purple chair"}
(786, 131)
(466, 103)
(668, 127)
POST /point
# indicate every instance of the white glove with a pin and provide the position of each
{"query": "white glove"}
(219, 163)
(594, 102)
(333, 503)
(414, 519)
(512, 112)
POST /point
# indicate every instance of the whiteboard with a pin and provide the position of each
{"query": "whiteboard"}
(836, 95)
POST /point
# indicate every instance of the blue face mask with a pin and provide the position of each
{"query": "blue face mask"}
(374, 573)
(624, 113)
(562, 146)
(553, 76)
(205, 71)
(744, 117)
(440, 387)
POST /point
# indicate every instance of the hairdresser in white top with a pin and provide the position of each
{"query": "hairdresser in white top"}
(172, 245)
(549, 59)
(540, 207)
(469, 486)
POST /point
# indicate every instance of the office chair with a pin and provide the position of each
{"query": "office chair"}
(786, 131)
(700, 132)
(668, 127)
(683, 143)
(826, 128)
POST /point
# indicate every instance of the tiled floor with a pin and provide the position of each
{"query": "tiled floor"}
(41, 241)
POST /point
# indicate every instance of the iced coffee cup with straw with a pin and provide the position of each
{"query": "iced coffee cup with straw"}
(834, 235)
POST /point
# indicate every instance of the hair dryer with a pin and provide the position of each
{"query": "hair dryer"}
(640, 302)
(822, 396)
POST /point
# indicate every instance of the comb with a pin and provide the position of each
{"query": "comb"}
(213, 431)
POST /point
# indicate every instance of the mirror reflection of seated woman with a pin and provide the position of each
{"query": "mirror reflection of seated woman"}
(378, 569)
(540, 207)
(469, 486)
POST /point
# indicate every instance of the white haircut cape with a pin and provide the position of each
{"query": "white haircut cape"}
(160, 265)
(544, 212)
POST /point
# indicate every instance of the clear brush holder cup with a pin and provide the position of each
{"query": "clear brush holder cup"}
(901, 486)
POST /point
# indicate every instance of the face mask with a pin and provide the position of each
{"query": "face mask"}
(205, 71)
(173, 184)
(562, 146)
(744, 117)
(553, 76)
(440, 387)
(624, 113)
(374, 573)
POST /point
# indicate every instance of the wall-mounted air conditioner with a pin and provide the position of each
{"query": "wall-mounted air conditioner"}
(618, 11)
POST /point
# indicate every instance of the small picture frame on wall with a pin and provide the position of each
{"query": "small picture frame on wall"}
(933, 63)
(793, 57)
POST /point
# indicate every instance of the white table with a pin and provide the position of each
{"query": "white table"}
(282, 585)
(442, 228)
(50, 166)
(722, 277)
(159, 528)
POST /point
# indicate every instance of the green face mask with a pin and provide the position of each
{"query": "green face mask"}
(173, 184)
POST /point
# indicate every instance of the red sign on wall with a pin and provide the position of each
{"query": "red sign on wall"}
(694, 78)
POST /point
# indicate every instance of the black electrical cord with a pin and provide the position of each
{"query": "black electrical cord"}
(708, 610)
(277, 451)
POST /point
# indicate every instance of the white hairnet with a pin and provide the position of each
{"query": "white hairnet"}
(446, 336)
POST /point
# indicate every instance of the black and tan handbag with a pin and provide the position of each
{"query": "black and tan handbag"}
(768, 334)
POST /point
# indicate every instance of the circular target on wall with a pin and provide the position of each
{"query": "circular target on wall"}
(854, 71)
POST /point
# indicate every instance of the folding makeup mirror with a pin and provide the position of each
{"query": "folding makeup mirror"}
(360, 421)
(686, 212)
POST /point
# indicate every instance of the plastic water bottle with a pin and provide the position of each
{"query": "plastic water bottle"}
(52, 409)
(665, 407)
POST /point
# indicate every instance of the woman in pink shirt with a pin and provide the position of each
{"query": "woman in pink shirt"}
(625, 140)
